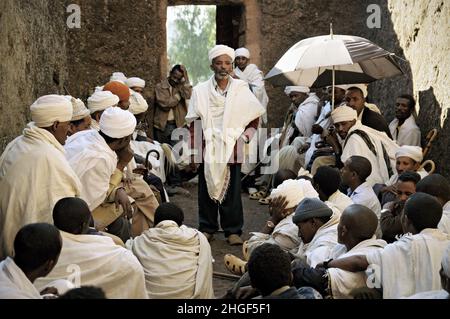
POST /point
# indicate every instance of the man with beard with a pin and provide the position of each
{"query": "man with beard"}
(404, 128)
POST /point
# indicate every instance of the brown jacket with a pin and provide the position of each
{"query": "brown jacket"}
(165, 100)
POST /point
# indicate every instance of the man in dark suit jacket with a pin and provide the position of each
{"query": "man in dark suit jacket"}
(355, 99)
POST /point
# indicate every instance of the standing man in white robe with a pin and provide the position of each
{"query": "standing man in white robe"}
(37, 248)
(411, 264)
(228, 112)
(34, 173)
(403, 128)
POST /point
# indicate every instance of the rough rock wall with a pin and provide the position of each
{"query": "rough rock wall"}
(32, 59)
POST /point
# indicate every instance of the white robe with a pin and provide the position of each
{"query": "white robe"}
(306, 115)
(355, 145)
(340, 200)
(177, 261)
(241, 107)
(444, 223)
(14, 284)
(408, 133)
(342, 282)
(434, 294)
(94, 162)
(322, 244)
(364, 195)
(325, 121)
(93, 260)
(34, 175)
(411, 264)
(255, 78)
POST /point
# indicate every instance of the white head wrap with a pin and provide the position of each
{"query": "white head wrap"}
(446, 261)
(242, 52)
(117, 123)
(294, 190)
(343, 113)
(361, 86)
(219, 50)
(135, 82)
(298, 88)
(79, 109)
(137, 103)
(101, 100)
(51, 108)
(118, 76)
(413, 152)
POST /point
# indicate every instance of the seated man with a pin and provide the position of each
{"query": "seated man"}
(403, 128)
(317, 227)
(97, 103)
(411, 264)
(356, 235)
(91, 259)
(81, 118)
(177, 259)
(439, 187)
(327, 181)
(37, 248)
(269, 269)
(390, 220)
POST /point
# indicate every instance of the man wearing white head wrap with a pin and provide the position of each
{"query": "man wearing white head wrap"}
(138, 104)
(228, 113)
(38, 154)
(355, 98)
(136, 84)
(358, 139)
(98, 102)
(99, 159)
(81, 117)
(404, 128)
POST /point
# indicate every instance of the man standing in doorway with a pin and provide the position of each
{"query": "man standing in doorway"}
(228, 113)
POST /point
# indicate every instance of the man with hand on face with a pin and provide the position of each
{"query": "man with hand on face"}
(228, 113)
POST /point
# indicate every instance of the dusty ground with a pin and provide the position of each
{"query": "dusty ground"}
(255, 216)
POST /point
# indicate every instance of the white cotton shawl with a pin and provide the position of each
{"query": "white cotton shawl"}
(94, 162)
(306, 115)
(34, 175)
(343, 282)
(411, 264)
(340, 200)
(14, 284)
(177, 261)
(241, 107)
(94, 260)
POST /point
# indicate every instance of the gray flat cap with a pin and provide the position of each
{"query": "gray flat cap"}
(310, 208)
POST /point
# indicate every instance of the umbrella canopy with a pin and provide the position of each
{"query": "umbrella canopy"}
(310, 62)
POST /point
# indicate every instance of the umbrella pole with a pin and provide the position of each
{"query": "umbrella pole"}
(332, 73)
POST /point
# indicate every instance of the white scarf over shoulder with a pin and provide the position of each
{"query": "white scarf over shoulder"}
(241, 107)
(34, 175)
(343, 282)
(254, 76)
(13, 282)
(177, 261)
(411, 264)
(94, 260)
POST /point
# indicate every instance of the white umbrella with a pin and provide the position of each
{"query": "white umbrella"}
(333, 59)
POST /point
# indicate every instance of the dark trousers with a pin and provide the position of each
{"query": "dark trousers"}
(231, 214)
(121, 227)
(173, 179)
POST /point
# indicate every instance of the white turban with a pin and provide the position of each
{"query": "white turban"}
(101, 100)
(79, 109)
(242, 52)
(361, 86)
(137, 103)
(118, 76)
(343, 114)
(446, 261)
(413, 152)
(117, 123)
(299, 88)
(51, 108)
(135, 82)
(294, 190)
(219, 50)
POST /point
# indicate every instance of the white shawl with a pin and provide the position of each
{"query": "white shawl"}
(411, 264)
(444, 223)
(14, 284)
(408, 134)
(34, 175)
(320, 247)
(255, 78)
(94, 162)
(340, 200)
(343, 282)
(177, 261)
(95, 260)
(241, 107)
(306, 115)
(355, 145)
